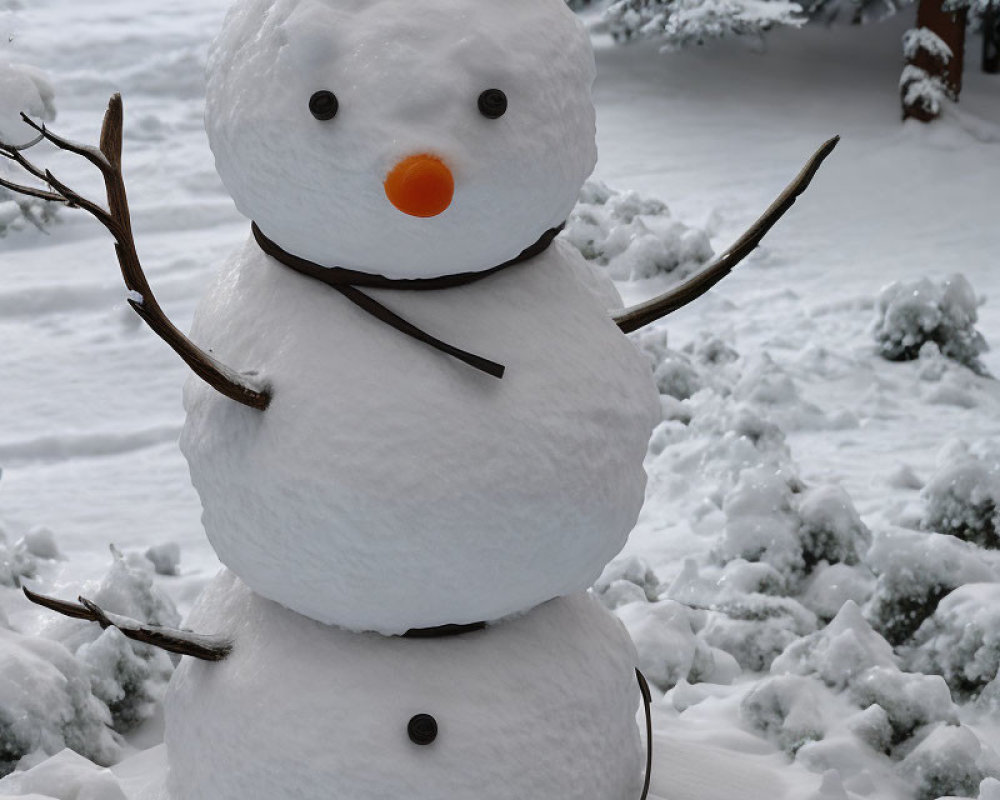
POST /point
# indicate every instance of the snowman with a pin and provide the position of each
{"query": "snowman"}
(433, 440)
(391, 486)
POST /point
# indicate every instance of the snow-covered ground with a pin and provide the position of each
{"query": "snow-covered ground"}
(759, 599)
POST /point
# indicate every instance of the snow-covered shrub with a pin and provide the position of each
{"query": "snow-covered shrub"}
(849, 656)
(633, 236)
(46, 704)
(910, 314)
(831, 585)
(786, 708)
(771, 518)
(756, 628)
(830, 527)
(665, 635)
(680, 23)
(626, 580)
(129, 677)
(962, 497)
(761, 524)
(22, 88)
(961, 640)
(915, 571)
(950, 761)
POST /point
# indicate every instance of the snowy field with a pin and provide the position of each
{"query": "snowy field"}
(806, 496)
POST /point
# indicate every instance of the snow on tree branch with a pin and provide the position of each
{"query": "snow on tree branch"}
(680, 23)
(917, 40)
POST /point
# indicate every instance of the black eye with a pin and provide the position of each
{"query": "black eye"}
(323, 105)
(422, 729)
(492, 104)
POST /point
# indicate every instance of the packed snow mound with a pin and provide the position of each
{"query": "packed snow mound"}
(407, 84)
(632, 236)
(46, 704)
(129, 677)
(962, 497)
(386, 511)
(22, 88)
(961, 640)
(908, 315)
(541, 705)
(65, 776)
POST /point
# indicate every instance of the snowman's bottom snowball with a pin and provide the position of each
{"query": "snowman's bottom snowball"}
(539, 706)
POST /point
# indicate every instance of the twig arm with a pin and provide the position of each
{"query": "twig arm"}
(186, 643)
(631, 319)
(108, 159)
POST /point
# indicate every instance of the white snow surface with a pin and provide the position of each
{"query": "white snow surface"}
(406, 86)
(304, 710)
(92, 410)
(388, 486)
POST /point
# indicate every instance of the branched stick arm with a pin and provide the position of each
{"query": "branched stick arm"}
(632, 319)
(186, 643)
(107, 158)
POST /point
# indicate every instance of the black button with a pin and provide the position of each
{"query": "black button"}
(422, 729)
(324, 105)
(492, 104)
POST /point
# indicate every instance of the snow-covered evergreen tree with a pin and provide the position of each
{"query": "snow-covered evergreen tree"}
(679, 23)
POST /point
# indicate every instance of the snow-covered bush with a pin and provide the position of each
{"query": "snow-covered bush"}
(128, 677)
(665, 634)
(962, 497)
(961, 640)
(46, 704)
(771, 518)
(915, 571)
(680, 23)
(831, 585)
(786, 708)
(849, 656)
(22, 88)
(950, 761)
(633, 236)
(626, 580)
(910, 314)
(756, 628)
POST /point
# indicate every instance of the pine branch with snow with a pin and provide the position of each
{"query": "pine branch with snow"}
(681, 23)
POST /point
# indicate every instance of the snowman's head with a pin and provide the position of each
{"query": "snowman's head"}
(404, 138)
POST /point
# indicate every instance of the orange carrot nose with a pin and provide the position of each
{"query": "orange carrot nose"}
(421, 186)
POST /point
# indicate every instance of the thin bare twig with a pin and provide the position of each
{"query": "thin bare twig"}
(31, 191)
(631, 319)
(186, 643)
